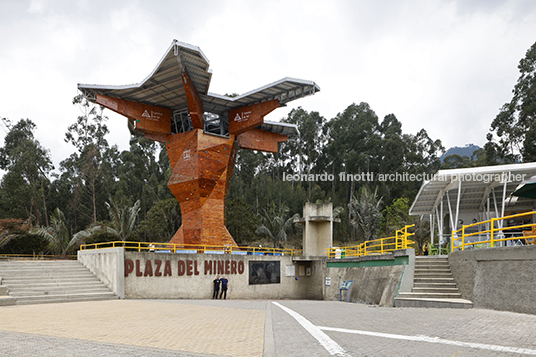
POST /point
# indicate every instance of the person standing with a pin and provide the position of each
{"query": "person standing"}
(224, 283)
(216, 284)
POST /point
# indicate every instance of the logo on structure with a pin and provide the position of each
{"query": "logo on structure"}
(245, 116)
(187, 155)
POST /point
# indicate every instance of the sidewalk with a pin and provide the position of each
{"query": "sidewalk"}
(203, 328)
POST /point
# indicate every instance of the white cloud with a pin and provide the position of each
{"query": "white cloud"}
(447, 66)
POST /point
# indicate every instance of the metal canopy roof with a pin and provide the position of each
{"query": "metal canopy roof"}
(164, 86)
(477, 184)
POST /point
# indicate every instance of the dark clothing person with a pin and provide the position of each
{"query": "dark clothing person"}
(425, 249)
(216, 283)
(224, 282)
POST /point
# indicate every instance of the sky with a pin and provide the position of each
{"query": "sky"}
(445, 66)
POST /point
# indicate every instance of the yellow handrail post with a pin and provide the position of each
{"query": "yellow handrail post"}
(381, 246)
(451, 241)
(492, 231)
(463, 238)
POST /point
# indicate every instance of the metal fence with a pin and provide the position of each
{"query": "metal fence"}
(518, 230)
(191, 248)
(374, 247)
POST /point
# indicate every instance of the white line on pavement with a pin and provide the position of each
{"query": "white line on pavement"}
(331, 346)
(433, 340)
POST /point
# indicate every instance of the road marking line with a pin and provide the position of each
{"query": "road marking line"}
(331, 346)
(421, 338)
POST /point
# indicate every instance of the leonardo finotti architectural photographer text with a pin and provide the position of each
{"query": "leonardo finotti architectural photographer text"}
(404, 176)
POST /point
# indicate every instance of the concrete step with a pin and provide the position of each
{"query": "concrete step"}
(77, 267)
(432, 266)
(40, 299)
(36, 282)
(435, 285)
(48, 275)
(6, 273)
(7, 301)
(432, 270)
(431, 258)
(432, 280)
(58, 292)
(433, 303)
(50, 280)
(3, 290)
(455, 295)
(45, 285)
(432, 275)
(435, 290)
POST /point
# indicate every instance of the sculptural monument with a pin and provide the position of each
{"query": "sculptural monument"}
(202, 131)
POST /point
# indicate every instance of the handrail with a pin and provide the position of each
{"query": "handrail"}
(495, 232)
(190, 248)
(374, 247)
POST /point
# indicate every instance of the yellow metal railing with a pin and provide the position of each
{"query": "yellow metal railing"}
(495, 232)
(374, 247)
(190, 248)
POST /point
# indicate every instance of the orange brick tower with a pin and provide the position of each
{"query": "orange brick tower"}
(202, 132)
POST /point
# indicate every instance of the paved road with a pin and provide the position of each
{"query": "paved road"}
(200, 328)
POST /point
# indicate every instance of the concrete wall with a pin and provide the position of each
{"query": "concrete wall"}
(377, 279)
(108, 265)
(155, 275)
(497, 278)
(190, 276)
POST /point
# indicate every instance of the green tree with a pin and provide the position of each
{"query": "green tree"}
(302, 152)
(162, 222)
(12, 228)
(514, 125)
(395, 216)
(456, 161)
(57, 234)
(275, 223)
(365, 213)
(122, 222)
(87, 168)
(241, 220)
(24, 187)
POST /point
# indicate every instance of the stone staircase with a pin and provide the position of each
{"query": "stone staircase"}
(40, 281)
(5, 299)
(433, 286)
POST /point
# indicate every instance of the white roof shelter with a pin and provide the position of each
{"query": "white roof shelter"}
(483, 191)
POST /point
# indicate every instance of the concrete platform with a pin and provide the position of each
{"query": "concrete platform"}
(442, 302)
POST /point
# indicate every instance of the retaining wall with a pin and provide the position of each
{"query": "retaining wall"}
(377, 279)
(190, 276)
(157, 275)
(108, 266)
(497, 278)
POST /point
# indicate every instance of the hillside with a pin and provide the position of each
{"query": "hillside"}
(467, 150)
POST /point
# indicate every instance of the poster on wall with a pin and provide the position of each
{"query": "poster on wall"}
(265, 272)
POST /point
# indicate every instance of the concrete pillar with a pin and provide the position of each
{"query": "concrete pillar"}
(318, 228)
